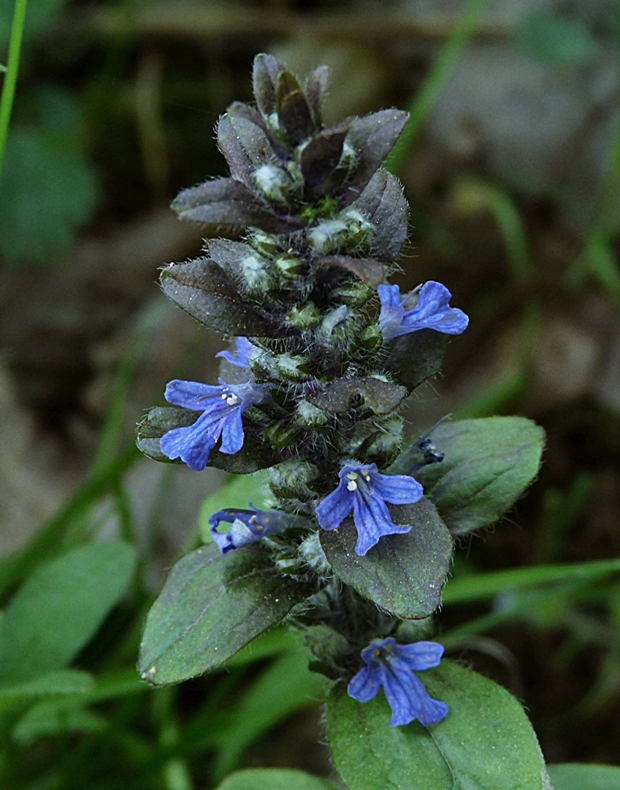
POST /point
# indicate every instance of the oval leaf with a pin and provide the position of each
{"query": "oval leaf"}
(368, 270)
(485, 743)
(211, 606)
(488, 463)
(274, 779)
(60, 607)
(402, 573)
(204, 290)
(574, 776)
(384, 204)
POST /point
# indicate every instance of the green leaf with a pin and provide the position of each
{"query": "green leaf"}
(574, 776)
(62, 681)
(488, 464)
(48, 188)
(485, 743)
(60, 607)
(40, 722)
(40, 16)
(274, 779)
(283, 688)
(211, 606)
(402, 573)
(237, 492)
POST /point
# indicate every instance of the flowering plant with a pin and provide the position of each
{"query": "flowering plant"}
(356, 545)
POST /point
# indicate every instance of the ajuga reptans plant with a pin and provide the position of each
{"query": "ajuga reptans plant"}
(356, 545)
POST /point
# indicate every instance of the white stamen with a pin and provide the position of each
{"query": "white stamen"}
(233, 400)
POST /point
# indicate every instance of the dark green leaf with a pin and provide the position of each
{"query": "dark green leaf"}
(485, 743)
(314, 90)
(415, 357)
(205, 291)
(252, 456)
(574, 776)
(274, 779)
(59, 608)
(368, 270)
(402, 573)
(211, 606)
(384, 204)
(48, 188)
(557, 40)
(340, 395)
(488, 463)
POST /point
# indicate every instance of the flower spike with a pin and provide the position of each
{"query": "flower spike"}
(423, 308)
(364, 490)
(221, 409)
(392, 666)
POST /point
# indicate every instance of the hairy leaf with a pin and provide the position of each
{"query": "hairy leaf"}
(339, 395)
(321, 156)
(204, 290)
(211, 606)
(245, 146)
(485, 743)
(402, 573)
(488, 463)
(264, 79)
(314, 90)
(292, 107)
(384, 204)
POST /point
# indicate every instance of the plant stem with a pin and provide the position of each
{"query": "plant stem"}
(10, 78)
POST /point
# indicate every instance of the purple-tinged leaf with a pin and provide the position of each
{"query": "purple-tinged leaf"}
(368, 270)
(293, 111)
(204, 290)
(372, 138)
(321, 156)
(416, 357)
(383, 203)
(314, 90)
(340, 395)
(265, 79)
(244, 145)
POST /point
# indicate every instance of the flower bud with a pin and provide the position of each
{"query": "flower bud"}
(292, 478)
(289, 266)
(355, 294)
(305, 317)
(274, 183)
(309, 416)
(371, 337)
(293, 367)
(280, 434)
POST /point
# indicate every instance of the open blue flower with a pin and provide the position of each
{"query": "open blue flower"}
(392, 666)
(363, 490)
(423, 308)
(221, 409)
(247, 526)
(240, 357)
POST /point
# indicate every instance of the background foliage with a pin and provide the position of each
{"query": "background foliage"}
(512, 167)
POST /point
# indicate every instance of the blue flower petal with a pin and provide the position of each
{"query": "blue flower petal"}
(191, 444)
(409, 700)
(373, 521)
(241, 356)
(432, 311)
(335, 508)
(190, 394)
(420, 655)
(397, 489)
(365, 685)
(232, 433)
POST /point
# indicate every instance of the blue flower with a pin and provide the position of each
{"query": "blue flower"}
(221, 409)
(363, 490)
(247, 526)
(241, 355)
(392, 666)
(423, 308)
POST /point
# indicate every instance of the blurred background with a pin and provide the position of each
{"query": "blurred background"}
(513, 177)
